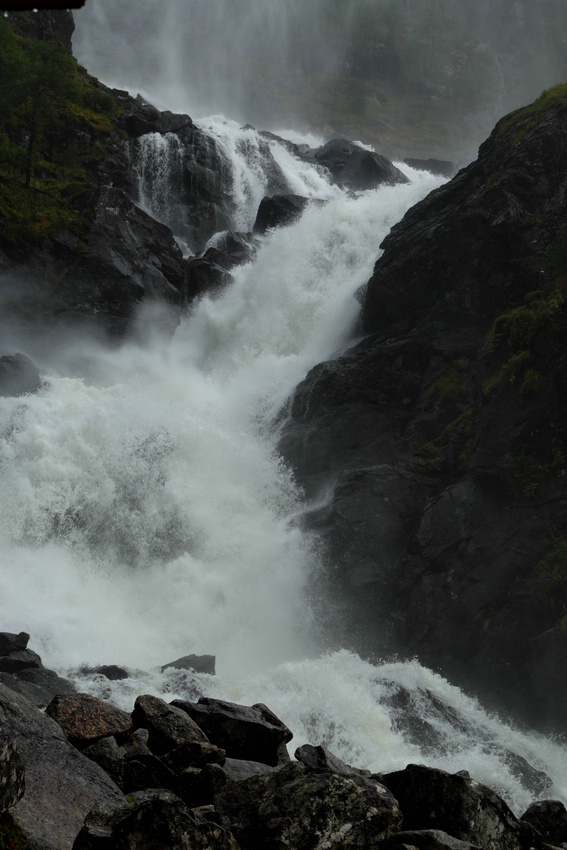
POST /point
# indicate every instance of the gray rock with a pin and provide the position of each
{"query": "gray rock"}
(12, 775)
(168, 726)
(61, 784)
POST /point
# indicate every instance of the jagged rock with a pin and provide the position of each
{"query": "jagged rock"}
(40, 686)
(109, 671)
(444, 519)
(147, 771)
(319, 758)
(278, 211)
(18, 376)
(22, 659)
(194, 754)
(10, 642)
(61, 784)
(456, 804)
(549, 819)
(238, 769)
(354, 167)
(149, 820)
(168, 726)
(299, 808)
(197, 663)
(427, 839)
(85, 719)
(12, 775)
(109, 756)
(251, 733)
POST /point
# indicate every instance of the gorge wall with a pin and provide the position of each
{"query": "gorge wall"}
(442, 433)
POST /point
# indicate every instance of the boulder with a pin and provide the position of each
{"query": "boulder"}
(458, 805)
(85, 719)
(38, 685)
(319, 758)
(354, 167)
(549, 819)
(196, 663)
(18, 660)
(427, 839)
(62, 785)
(169, 727)
(10, 642)
(194, 754)
(252, 733)
(109, 756)
(18, 376)
(148, 820)
(238, 769)
(278, 211)
(300, 808)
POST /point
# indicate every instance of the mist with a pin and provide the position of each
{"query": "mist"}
(410, 76)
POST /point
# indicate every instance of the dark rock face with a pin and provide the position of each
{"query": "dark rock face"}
(61, 785)
(277, 211)
(150, 820)
(456, 804)
(297, 808)
(250, 733)
(435, 166)
(549, 820)
(354, 167)
(169, 727)
(446, 524)
(197, 663)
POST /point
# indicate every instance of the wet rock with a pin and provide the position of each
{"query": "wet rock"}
(199, 787)
(194, 754)
(456, 804)
(319, 758)
(238, 769)
(40, 686)
(18, 376)
(10, 642)
(85, 719)
(197, 663)
(278, 211)
(110, 671)
(354, 167)
(12, 775)
(549, 819)
(146, 771)
(109, 756)
(22, 659)
(169, 727)
(299, 808)
(61, 784)
(149, 820)
(251, 733)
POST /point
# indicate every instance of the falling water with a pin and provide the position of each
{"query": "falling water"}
(145, 513)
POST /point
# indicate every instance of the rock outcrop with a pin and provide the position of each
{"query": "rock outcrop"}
(446, 527)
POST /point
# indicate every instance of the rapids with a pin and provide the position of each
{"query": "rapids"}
(145, 513)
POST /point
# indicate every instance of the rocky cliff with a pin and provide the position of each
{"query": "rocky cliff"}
(442, 434)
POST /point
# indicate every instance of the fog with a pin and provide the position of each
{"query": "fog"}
(413, 75)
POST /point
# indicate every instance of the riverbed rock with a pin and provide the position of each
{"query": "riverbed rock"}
(251, 733)
(300, 808)
(148, 820)
(169, 727)
(458, 805)
(85, 719)
(277, 211)
(61, 784)
(197, 663)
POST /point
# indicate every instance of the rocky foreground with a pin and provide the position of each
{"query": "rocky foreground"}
(212, 774)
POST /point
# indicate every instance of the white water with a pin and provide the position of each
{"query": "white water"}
(145, 514)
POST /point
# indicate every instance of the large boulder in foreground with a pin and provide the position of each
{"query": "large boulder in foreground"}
(447, 525)
(308, 810)
(62, 786)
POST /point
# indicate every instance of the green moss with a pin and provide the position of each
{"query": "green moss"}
(551, 571)
(532, 113)
(510, 373)
(450, 386)
(531, 385)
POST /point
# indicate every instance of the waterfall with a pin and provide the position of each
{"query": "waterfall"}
(157, 160)
(144, 511)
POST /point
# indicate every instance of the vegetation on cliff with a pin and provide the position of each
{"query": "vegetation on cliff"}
(54, 127)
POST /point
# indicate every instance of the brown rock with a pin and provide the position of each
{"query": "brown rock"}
(85, 719)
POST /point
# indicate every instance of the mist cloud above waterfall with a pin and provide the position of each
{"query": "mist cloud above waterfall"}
(391, 71)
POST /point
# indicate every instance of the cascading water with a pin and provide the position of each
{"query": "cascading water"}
(145, 513)
(157, 160)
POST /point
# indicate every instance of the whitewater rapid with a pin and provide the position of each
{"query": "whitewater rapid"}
(145, 513)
